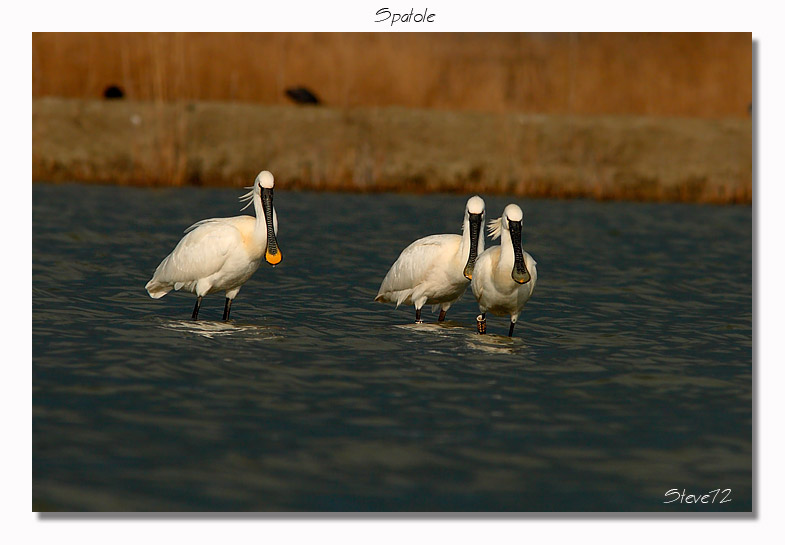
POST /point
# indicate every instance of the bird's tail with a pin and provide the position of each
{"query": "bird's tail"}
(157, 289)
(396, 297)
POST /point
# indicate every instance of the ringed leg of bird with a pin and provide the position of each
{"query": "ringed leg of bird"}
(481, 324)
(512, 326)
(195, 314)
(227, 306)
(417, 319)
(442, 314)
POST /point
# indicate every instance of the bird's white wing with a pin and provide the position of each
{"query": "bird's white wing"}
(236, 221)
(201, 252)
(414, 262)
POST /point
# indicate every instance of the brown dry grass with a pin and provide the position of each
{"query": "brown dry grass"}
(359, 142)
(393, 149)
(672, 74)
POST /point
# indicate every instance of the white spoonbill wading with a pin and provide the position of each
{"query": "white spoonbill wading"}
(505, 275)
(221, 254)
(436, 270)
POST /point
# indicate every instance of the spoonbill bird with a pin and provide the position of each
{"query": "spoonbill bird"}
(436, 270)
(221, 254)
(505, 275)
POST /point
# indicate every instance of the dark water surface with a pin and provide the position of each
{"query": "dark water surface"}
(630, 373)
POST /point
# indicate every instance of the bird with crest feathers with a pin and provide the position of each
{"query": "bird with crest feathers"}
(221, 254)
(504, 275)
(436, 269)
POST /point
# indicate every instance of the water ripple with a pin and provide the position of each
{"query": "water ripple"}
(629, 373)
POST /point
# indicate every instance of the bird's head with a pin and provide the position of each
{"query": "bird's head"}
(475, 215)
(264, 184)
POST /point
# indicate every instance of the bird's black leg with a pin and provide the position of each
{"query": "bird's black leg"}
(417, 319)
(195, 315)
(481, 324)
(442, 314)
(227, 306)
(512, 326)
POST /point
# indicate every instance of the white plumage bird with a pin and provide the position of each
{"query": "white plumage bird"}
(436, 270)
(221, 254)
(505, 275)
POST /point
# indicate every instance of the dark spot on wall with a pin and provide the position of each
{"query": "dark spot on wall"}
(113, 91)
(301, 95)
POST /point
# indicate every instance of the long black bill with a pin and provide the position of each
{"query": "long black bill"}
(475, 226)
(273, 254)
(519, 271)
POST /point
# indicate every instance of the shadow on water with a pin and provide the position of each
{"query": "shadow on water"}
(629, 373)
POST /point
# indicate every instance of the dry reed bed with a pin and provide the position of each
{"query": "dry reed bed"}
(393, 149)
(677, 74)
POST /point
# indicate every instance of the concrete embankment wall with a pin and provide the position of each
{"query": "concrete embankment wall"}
(393, 149)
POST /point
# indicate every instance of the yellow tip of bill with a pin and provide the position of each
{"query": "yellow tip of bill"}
(273, 259)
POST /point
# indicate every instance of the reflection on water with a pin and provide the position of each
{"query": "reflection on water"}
(210, 330)
(629, 373)
(495, 344)
(492, 344)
